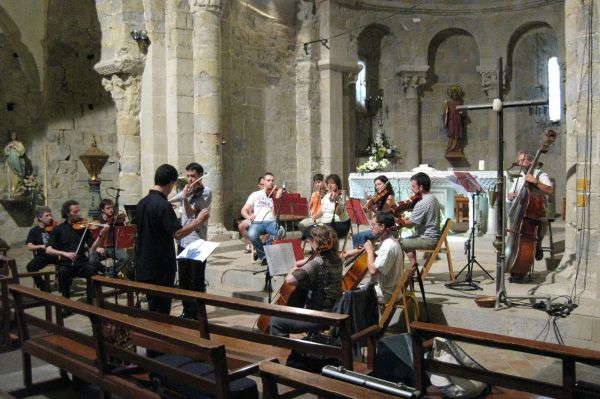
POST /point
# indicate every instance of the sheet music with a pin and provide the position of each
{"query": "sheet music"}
(280, 258)
(198, 250)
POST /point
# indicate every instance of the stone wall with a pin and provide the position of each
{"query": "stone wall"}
(259, 107)
(64, 118)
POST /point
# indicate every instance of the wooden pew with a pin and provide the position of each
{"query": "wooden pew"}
(324, 387)
(89, 356)
(7, 336)
(568, 355)
(240, 340)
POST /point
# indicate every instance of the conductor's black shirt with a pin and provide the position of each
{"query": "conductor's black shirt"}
(155, 249)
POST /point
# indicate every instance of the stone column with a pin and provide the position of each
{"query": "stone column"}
(125, 90)
(411, 78)
(208, 140)
(349, 114)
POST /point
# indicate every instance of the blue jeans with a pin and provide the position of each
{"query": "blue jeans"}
(359, 239)
(256, 230)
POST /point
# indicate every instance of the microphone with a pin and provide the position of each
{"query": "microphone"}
(115, 188)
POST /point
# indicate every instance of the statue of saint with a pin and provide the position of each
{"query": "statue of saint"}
(453, 121)
(14, 152)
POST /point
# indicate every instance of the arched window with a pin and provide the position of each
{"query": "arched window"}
(361, 84)
(554, 97)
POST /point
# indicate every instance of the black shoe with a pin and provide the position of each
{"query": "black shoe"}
(263, 262)
(66, 313)
(539, 253)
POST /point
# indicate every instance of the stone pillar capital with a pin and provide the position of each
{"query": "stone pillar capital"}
(205, 5)
(121, 65)
(412, 77)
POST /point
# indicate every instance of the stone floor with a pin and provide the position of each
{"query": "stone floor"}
(232, 272)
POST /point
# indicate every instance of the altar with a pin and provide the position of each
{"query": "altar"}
(361, 186)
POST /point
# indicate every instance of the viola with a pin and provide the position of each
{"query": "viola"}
(270, 191)
(405, 205)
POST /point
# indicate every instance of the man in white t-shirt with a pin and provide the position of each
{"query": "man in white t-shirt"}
(539, 179)
(259, 210)
(386, 268)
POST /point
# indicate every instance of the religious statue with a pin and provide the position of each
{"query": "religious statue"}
(14, 152)
(453, 121)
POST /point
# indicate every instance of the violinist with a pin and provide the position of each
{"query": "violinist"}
(539, 179)
(194, 198)
(36, 242)
(321, 276)
(245, 224)
(315, 202)
(70, 243)
(425, 217)
(106, 248)
(381, 201)
(333, 209)
(259, 210)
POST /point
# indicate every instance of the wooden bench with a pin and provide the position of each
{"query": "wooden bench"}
(239, 339)
(422, 332)
(324, 387)
(91, 358)
(8, 337)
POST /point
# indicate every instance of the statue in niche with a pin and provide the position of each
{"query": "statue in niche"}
(453, 122)
(14, 153)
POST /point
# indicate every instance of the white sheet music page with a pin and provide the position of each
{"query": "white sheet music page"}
(198, 250)
(280, 258)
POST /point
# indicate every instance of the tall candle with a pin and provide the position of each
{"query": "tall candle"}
(481, 164)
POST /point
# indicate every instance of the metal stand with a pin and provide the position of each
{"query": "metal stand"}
(468, 284)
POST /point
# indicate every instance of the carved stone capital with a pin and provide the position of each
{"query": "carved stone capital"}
(125, 91)
(121, 65)
(205, 5)
(412, 77)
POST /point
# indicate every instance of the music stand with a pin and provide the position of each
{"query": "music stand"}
(469, 183)
(356, 212)
(131, 211)
(290, 206)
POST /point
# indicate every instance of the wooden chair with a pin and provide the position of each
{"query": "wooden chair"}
(441, 247)
(402, 297)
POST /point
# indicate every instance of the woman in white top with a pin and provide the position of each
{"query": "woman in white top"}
(333, 208)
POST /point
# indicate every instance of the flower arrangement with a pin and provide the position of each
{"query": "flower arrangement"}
(32, 187)
(379, 151)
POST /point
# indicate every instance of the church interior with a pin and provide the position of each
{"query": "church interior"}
(300, 87)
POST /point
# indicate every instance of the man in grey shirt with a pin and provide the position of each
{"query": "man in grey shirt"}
(195, 200)
(425, 217)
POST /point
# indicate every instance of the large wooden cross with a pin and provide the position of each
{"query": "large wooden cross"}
(498, 105)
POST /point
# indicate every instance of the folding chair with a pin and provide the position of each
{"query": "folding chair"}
(441, 247)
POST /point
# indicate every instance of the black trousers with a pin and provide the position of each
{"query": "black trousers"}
(281, 327)
(341, 229)
(191, 277)
(38, 263)
(158, 303)
(67, 272)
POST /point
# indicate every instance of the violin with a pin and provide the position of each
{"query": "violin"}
(52, 225)
(81, 224)
(376, 198)
(405, 205)
(270, 191)
(118, 220)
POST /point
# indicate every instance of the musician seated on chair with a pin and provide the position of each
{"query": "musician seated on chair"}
(244, 225)
(385, 195)
(320, 276)
(425, 217)
(386, 266)
(104, 251)
(68, 241)
(333, 209)
(259, 210)
(539, 179)
(315, 202)
(36, 242)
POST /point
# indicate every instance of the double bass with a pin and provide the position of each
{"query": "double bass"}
(525, 219)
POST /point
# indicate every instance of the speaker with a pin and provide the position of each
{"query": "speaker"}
(394, 359)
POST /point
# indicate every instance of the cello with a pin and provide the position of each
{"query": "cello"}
(359, 268)
(525, 218)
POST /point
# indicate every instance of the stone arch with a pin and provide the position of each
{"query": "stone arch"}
(514, 39)
(368, 51)
(26, 60)
(452, 57)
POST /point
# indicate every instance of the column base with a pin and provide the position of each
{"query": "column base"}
(218, 232)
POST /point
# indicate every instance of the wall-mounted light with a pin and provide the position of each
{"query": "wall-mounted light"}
(141, 37)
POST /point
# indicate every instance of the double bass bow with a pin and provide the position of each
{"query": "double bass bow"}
(525, 219)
